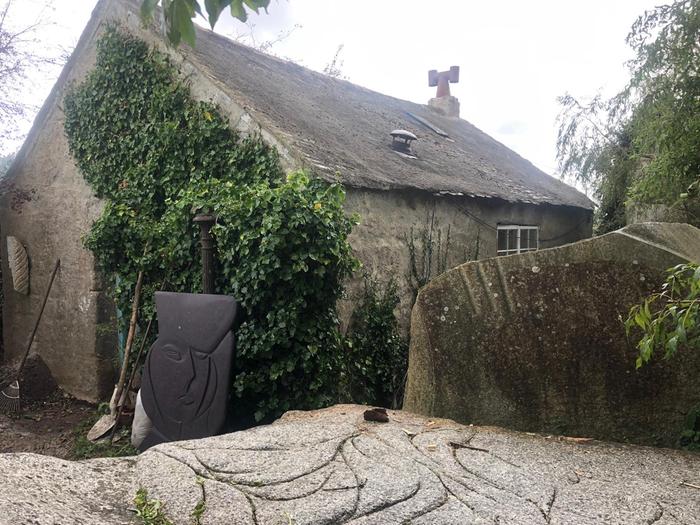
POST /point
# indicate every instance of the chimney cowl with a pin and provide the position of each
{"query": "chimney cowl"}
(401, 141)
(443, 80)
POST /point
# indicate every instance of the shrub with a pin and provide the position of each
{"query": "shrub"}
(690, 436)
(377, 356)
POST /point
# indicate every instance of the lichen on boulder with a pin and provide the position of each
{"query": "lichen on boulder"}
(535, 341)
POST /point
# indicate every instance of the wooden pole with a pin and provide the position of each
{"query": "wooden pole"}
(38, 318)
(129, 342)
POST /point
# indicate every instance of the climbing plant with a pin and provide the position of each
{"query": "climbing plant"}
(377, 355)
(427, 252)
(157, 157)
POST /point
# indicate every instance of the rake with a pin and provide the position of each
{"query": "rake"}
(10, 398)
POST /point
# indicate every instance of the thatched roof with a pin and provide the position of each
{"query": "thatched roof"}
(338, 126)
(335, 127)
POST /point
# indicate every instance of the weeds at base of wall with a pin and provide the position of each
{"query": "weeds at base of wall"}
(690, 436)
(376, 355)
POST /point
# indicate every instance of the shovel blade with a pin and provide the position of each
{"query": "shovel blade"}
(102, 427)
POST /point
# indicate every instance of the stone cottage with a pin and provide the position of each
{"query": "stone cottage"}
(451, 176)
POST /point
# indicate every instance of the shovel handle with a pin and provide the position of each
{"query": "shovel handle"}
(129, 342)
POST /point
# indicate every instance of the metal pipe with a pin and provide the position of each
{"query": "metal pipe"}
(205, 223)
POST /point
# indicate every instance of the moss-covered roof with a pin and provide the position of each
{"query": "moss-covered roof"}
(335, 127)
(340, 126)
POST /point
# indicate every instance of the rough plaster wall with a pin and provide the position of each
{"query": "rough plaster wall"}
(51, 226)
(386, 219)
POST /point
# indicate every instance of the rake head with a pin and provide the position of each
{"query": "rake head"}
(10, 399)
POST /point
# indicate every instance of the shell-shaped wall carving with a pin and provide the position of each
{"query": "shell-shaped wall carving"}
(19, 265)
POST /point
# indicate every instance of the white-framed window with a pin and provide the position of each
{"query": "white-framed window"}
(513, 238)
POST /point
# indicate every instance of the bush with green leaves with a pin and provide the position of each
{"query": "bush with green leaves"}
(377, 355)
(157, 157)
(690, 435)
(670, 318)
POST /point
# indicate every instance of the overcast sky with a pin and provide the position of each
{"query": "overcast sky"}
(515, 57)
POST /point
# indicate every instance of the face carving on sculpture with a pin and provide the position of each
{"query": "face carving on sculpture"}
(184, 380)
(187, 373)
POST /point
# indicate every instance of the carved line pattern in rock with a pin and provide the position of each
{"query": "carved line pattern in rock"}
(400, 472)
(330, 466)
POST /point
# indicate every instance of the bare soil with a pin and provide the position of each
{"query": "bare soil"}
(45, 427)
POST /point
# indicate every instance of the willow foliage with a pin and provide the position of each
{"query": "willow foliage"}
(642, 145)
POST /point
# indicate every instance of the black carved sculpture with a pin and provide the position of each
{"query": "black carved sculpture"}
(186, 377)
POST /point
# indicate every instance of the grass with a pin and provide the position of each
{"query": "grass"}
(198, 512)
(150, 511)
(83, 448)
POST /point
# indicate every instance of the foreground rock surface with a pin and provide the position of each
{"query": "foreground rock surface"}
(535, 341)
(330, 466)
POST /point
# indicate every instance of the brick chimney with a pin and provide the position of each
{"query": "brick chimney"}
(444, 102)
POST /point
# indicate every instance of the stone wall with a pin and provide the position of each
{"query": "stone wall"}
(387, 218)
(536, 342)
(50, 224)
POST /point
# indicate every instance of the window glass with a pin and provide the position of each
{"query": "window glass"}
(502, 240)
(512, 239)
(524, 239)
(517, 239)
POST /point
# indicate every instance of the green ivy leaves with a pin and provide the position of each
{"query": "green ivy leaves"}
(157, 157)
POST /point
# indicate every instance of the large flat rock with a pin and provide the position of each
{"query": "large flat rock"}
(536, 342)
(43, 490)
(330, 467)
